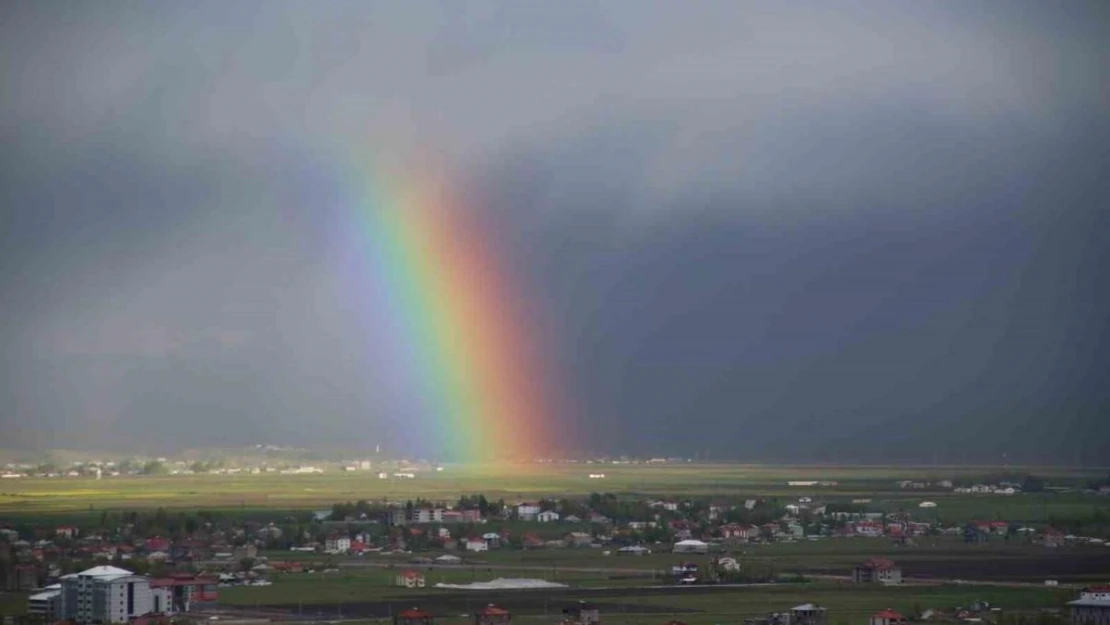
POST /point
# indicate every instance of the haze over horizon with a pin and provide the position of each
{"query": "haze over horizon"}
(814, 231)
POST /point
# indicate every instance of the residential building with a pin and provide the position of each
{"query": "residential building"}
(547, 516)
(579, 539)
(270, 532)
(106, 594)
(808, 614)
(1097, 593)
(492, 615)
(1090, 611)
(527, 511)
(739, 532)
(974, 533)
(337, 544)
(691, 546)
(46, 604)
(877, 571)
(24, 577)
(476, 544)
(427, 515)
(582, 613)
(887, 617)
(410, 579)
(186, 592)
(413, 616)
(157, 543)
(1053, 538)
(868, 528)
(472, 515)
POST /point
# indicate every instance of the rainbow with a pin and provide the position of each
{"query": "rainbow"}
(457, 324)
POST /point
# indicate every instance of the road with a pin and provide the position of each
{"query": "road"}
(503, 567)
(911, 581)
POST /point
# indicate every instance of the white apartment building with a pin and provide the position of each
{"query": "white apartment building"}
(337, 544)
(106, 594)
(46, 604)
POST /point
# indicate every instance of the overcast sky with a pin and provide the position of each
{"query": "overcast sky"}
(859, 231)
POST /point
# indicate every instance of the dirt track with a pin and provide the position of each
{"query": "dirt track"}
(1026, 567)
(551, 601)
(1021, 567)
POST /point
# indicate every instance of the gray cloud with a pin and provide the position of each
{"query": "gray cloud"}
(810, 230)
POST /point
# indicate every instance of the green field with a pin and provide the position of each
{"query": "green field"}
(937, 558)
(290, 492)
(354, 595)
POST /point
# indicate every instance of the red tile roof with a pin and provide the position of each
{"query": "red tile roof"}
(492, 610)
(414, 613)
(889, 614)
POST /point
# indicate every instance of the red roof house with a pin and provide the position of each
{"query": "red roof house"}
(887, 617)
(157, 544)
(413, 616)
(410, 579)
(877, 571)
(492, 615)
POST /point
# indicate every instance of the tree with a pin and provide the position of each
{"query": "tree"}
(160, 518)
(1032, 484)
(246, 564)
(153, 468)
(140, 566)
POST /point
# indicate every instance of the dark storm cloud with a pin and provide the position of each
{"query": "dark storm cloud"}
(866, 231)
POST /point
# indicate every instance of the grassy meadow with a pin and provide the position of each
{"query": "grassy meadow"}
(355, 595)
(299, 492)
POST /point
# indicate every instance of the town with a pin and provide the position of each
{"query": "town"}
(170, 564)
